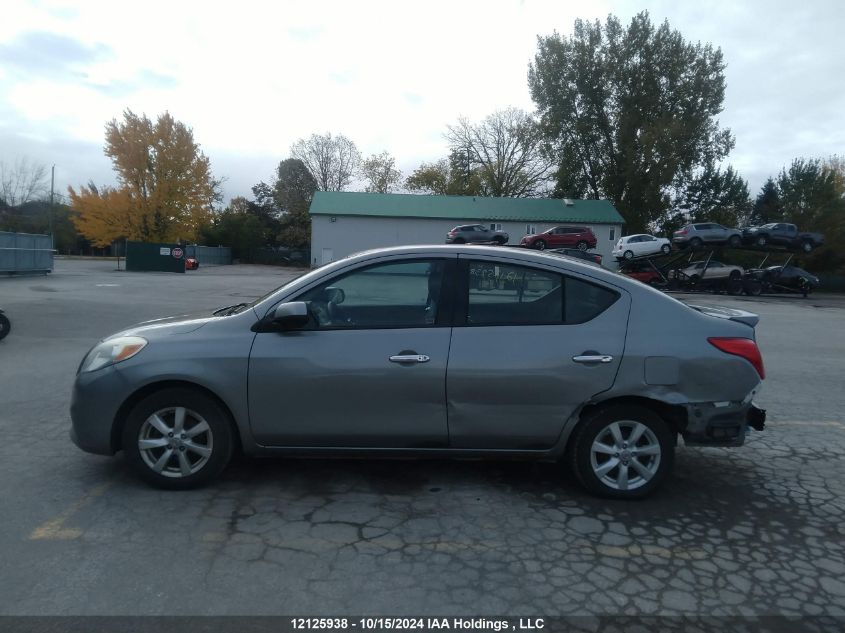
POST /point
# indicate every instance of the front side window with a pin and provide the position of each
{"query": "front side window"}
(396, 295)
(517, 295)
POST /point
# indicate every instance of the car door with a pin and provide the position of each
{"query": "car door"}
(369, 368)
(529, 346)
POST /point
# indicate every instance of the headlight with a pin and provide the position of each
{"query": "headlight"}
(112, 351)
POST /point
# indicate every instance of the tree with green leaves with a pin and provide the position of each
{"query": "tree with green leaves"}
(453, 176)
(380, 174)
(629, 113)
(767, 206)
(293, 191)
(812, 196)
(717, 195)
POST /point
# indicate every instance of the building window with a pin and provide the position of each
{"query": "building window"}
(530, 229)
(612, 233)
(495, 226)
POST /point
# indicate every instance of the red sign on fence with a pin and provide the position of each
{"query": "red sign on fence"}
(176, 252)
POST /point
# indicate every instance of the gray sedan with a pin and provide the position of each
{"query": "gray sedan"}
(429, 351)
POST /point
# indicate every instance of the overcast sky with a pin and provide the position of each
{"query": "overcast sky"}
(252, 78)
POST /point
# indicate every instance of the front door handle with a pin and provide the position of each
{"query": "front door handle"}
(409, 358)
(593, 358)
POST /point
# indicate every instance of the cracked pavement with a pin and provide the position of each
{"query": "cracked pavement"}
(756, 530)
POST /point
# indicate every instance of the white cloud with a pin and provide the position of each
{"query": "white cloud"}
(251, 77)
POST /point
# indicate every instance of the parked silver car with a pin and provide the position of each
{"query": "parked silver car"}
(698, 271)
(701, 233)
(548, 358)
(475, 234)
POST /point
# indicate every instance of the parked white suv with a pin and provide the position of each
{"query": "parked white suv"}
(632, 246)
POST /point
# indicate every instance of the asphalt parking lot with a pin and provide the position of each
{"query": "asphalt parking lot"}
(758, 530)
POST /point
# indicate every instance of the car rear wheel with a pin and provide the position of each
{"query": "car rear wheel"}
(5, 326)
(753, 287)
(807, 247)
(665, 249)
(459, 240)
(499, 240)
(735, 241)
(762, 240)
(582, 245)
(623, 452)
(540, 245)
(178, 439)
(695, 242)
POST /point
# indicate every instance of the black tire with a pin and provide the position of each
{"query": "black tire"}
(735, 286)
(595, 429)
(753, 287)
(460, 240)
(540, 245)
(499, 240)
(735, 241)
(5, 326)
(695, 242)
(807, 247)
(761, 240)
(735, 274)
(665, 249)
(198, 406)
(628, 255)
(582, 245)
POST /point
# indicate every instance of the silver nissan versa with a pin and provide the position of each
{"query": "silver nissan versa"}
(430, 351)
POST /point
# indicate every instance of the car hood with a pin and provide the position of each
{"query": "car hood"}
(176, 324)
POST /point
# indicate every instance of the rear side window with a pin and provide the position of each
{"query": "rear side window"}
(519, 295)
(584, 301)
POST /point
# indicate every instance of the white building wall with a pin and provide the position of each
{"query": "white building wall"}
(347, 234)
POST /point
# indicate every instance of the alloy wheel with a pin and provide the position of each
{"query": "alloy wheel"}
(625, 455)
(175, 442)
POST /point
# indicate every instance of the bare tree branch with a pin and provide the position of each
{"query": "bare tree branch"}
(22, 182)
(332, 160)
(507, 150)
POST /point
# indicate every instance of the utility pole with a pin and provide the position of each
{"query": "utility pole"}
(52, 183)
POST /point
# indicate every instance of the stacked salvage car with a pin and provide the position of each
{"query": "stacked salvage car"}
(693, 267)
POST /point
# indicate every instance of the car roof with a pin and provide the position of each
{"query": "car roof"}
(515, 253)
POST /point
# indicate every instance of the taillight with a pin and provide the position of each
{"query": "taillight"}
(681, 232)
(744, 347)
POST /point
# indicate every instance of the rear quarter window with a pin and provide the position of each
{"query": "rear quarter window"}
(584, 301)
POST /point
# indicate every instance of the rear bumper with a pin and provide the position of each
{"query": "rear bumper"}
(721, 423)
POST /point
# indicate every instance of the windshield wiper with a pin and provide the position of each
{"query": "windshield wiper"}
(229, 309)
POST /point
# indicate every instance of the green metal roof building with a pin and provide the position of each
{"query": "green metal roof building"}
(345, 222)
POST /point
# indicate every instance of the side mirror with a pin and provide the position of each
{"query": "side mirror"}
(291, 316)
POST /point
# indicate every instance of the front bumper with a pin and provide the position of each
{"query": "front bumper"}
(721, 423)
(96, 399)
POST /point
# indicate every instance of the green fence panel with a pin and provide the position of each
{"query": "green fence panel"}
(143, 256)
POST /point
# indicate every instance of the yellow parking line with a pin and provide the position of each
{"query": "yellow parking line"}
(54, 529)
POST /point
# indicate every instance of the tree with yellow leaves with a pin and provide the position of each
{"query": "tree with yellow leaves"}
(165, 189)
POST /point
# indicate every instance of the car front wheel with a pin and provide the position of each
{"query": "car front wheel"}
(622, 452)
(178, 439)
(540, 245)
(628, 255)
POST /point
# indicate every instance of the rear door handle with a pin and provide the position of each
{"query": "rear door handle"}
(409, 358)
(593, 358)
